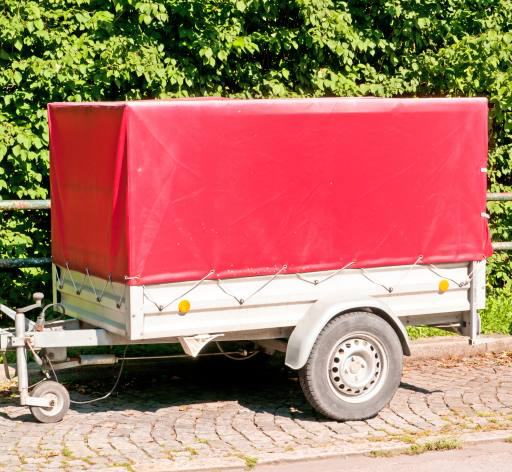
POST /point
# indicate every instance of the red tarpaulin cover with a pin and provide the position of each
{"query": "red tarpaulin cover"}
(164, 191)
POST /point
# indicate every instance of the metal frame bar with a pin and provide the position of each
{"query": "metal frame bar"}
(69, 333)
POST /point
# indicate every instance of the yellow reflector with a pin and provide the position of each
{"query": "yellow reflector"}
(443, 286)
(184, 307)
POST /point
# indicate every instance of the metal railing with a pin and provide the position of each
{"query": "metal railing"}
(17, 205)
(500, 197)
(14, 205)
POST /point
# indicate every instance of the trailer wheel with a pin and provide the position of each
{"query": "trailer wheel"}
(354, 368)
(59, 397)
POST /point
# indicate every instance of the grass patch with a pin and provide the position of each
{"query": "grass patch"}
(382, 453)
(444, 444)
(126, 465)
(66, 452)
(497, 316)
(51, 454)
(191, 451)
(493, 425)
(407, 437)
(250, 462)
(416, 332)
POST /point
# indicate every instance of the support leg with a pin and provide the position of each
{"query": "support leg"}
(473, 324)
(21, 358)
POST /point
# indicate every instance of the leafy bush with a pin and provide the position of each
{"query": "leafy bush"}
(497, 316)
(71, 50)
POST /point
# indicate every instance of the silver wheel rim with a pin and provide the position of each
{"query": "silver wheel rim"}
(57, 404)
(357, 368)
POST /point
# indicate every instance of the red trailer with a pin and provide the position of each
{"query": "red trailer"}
(320, 227)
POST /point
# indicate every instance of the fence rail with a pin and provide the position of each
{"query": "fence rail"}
(17, 205)
(23, 263)
(14, 205)
(499, 197)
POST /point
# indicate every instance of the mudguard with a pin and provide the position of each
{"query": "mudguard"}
(322, 311)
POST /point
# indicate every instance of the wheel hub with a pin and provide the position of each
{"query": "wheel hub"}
(55, 404)
(355, 366)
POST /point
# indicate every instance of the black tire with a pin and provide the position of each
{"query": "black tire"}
(58, 394)
(374, 360)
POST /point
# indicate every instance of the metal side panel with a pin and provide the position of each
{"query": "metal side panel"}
(253, 303)
(224, 320)
(96, 314)
(80, 293)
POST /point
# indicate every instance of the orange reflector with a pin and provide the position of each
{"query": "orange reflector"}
(444, 285)
(184, 307)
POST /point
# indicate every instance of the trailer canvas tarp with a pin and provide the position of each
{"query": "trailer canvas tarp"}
(163, 191)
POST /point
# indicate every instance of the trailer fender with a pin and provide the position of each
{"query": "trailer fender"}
(322, 311)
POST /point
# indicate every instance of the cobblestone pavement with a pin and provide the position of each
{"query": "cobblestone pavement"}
(219, 413)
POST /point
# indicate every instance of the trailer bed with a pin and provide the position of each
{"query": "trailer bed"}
(149, 312)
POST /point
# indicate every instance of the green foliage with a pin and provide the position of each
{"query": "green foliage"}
(417, 332)
(71, 50)
(497, 316)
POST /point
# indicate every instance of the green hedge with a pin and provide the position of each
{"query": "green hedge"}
(57, 50)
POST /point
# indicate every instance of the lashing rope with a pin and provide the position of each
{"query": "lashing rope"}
(318, 282)
(162, 307)
(241, 301)
(87, 277)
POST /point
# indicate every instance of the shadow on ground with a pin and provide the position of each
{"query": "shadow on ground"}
(261, 384)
